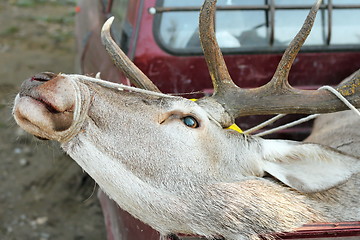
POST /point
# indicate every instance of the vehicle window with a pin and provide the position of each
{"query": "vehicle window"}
(119, 9)
(120, 29)
(243, 25)
(105, 2)
(346, 26)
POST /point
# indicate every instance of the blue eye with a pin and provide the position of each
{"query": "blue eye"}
(190, 122)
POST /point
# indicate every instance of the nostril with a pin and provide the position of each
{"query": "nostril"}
(37, 78)
(43, 77)
(28, 86)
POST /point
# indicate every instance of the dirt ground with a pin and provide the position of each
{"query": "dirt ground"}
(44, 195)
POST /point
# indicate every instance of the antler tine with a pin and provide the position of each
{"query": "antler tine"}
(218, 71)
(131, 71)
(275, 97)
(280, 78)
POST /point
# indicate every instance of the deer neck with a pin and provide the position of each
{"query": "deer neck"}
(132, 194)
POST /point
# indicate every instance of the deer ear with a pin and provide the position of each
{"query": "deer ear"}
(308, 167)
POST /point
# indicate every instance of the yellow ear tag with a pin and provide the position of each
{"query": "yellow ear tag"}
(233, 127)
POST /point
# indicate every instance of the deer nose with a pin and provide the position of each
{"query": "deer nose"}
(45, 105)
(36, 80)
(43, 77)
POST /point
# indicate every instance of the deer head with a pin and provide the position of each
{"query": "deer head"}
(157, 155)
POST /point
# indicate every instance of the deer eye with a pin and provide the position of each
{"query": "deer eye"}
(190, 121)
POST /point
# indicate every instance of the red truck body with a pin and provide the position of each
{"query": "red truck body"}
(185, 71)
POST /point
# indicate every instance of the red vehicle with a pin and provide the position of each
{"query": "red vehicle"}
(161, 37)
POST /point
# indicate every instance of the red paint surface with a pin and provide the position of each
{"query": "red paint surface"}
(182, 74)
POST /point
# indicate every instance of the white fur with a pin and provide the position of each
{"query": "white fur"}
(206, 180)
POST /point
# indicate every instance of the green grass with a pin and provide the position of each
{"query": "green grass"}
(55, 19)
(10, 31)
(32, 3)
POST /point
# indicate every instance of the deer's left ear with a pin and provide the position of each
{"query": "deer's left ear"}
(307, 167)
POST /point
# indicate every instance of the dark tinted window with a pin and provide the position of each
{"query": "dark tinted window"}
(120, 29)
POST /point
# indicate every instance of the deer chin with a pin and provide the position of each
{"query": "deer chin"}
(47, 108)
(40, 118)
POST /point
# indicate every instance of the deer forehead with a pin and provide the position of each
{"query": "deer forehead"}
(107, 102)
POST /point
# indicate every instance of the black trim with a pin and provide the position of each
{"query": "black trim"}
(156, 32)
(131, 54)
(104, 4)
(126, 33)
(159, 9)
(266, 50)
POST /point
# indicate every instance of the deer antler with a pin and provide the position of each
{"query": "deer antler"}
(217, 68)
(229, 101)
(275, 97)
(131, 71)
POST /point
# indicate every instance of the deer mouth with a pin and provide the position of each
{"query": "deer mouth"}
(38, 107)
(45, 107)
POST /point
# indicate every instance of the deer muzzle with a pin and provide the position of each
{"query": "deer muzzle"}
(45, 105)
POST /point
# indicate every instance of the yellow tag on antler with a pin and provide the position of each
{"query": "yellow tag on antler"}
(233, 127)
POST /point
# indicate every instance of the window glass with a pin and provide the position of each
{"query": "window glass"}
(119, 11)
(240, 2)
(198, 3)
(241, 28)
(295, 2)
(248, 29)
(188, 3)
(345, 1)
(346, 26)
(288, 23)
(179, 30)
